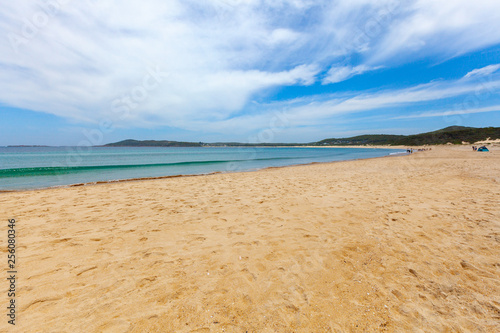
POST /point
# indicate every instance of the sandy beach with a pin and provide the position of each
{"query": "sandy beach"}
(397, 244)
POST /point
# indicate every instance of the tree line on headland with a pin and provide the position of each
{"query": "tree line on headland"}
(452, 134)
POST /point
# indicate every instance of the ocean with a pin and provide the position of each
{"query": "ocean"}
(24, 168)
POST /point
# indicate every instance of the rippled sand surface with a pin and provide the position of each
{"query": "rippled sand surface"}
(408, 243)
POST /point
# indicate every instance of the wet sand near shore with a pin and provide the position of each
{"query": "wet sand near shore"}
(406, 243)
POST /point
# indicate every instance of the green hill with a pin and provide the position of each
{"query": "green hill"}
(374, 139)
(452, 129)
(452, 134)
(152, 143)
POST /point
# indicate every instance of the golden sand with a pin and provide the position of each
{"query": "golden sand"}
(408, 243)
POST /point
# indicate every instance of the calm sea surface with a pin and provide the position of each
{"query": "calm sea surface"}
(40, 167)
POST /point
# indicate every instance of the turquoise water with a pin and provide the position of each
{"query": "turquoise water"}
(41, 167)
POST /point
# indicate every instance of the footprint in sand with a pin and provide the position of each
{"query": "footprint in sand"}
(260, 267)
(118, 325)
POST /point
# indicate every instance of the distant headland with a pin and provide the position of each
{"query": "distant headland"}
(448, 135)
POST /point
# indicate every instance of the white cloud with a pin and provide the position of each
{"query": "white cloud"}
(280, 36)
(338, 74)
(488, 70)
(76, 59)
(441, 113)
(320, 110)
(86, 56)
(440, 28)
(467, 96)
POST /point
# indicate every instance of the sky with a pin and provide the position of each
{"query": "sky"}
(100, 71)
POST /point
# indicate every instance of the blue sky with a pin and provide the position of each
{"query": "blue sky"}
(244, 70)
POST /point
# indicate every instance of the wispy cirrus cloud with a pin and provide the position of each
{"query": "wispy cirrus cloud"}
(75, 59)
(484, 71)
(443, 29)
(441, 113)
(342, 73)
(466, 96)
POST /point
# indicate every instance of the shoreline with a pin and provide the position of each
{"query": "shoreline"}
(192, 175)
(338, 146)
